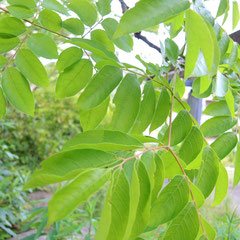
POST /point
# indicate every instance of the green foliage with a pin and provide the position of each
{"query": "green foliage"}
(120, 105)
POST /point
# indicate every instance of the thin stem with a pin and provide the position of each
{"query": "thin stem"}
(92, 27)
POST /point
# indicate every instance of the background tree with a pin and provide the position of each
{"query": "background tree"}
(121, 104)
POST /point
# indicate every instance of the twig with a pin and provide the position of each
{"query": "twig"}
(139, 35)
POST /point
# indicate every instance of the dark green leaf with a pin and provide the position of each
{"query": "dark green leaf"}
(43, 45)
(68, 57)
(2, 104)
(55, 6)
(147, 13)
(162, 110)
(11, 26)
(69, 161)
(100, 87)
(17, 91)
(191, 146)
(85, 9)
(7, 44)
(91, 118)
(208, 173)
(103, 140)
(31, 67)
(146, 111)
(50, 20)
(217, 125)
(185, 225)
(75, 193)
(74, 78)
(124, 115)
(73, 25)
(184, 120)
(170, 202)
(224, 144)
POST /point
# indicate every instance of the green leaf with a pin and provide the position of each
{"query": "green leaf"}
(170, 202)
(68, 161)
(50, 20)
(197, 194)
(219, 108)
(19, 11)
(55, 6)
(221, 185)
(75, 193)
(230, 102)
(224, 4)
(134, 199)
(185, 225)
(91, 118)
(221, 85)
(217, 125)
(125, 42)
(223, 44)
(124, 115)
(147, 13)
(184, 120)
(100, 87)
(11, 26)
(162, 110)
(73, 25)
(115, 214)
(85, 9)
(171, 49)
(100, 36)
(171, 167)
(7, 44)
(191, 146)
(103, 140)
(25, 3)
(104, 6)
(208, 173)
(235, 14)
(224, 144)
(43, 45)
(200, 39)
(3, 61)
(31, 67)
(2, 104)
(158, 176)
(143, 209)
(95, 47)
(68, 57)
(74, 78)
(209, 231)
(17, 91)
(237, 167)
(146, 110)
(41, 178)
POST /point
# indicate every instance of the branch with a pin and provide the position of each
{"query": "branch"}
(139, 35)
